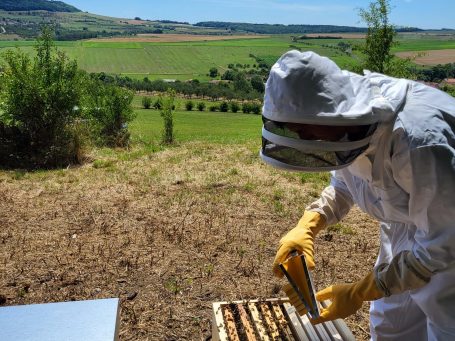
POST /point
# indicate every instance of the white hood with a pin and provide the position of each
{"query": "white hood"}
(310, 89)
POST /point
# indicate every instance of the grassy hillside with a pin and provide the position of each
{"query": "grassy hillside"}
(183, 60)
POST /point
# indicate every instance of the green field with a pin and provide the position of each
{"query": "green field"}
(190, 60)
(181, 60)
(215, 127)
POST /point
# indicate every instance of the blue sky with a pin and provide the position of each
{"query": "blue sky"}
(432, 14)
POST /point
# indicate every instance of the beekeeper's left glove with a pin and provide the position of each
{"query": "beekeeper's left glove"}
(347, 298)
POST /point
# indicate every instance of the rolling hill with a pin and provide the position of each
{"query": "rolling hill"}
(37, 5)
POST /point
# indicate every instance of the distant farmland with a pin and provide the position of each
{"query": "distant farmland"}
(182, 60)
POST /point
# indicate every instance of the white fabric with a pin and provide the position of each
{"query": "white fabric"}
(307, 88)
(405, 179)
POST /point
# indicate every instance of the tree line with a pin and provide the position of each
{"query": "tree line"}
(289, 29)
(234, 84)
(36, 5)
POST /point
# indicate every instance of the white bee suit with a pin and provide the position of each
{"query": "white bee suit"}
(406, 179)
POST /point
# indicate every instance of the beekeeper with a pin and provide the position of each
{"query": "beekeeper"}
(390, 144)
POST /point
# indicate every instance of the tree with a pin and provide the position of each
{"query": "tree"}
(380, 35)
(39, 106)
(213, 72)
(257, 83)
(109, 108)
(168, 117)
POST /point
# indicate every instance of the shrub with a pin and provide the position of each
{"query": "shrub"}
(213, 108)
(39, 107)
(256, 108)
(235, 107)
(201, 106)
(158, 104)
(246, 108)
(189, 105)
(146, 102)
(168, 117)
(109, 109)
(224, 107)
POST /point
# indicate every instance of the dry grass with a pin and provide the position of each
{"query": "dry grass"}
(172, 38)
(338, 35)
(169, 233)
(430, 57)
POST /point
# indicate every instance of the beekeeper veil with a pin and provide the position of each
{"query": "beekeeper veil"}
(317, 117)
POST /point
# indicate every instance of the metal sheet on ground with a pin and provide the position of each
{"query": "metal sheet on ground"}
(95, 320)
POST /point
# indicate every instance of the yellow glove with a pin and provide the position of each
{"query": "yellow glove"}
(300, 239)
(347, 298)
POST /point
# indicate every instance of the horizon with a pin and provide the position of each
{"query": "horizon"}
(404, 13)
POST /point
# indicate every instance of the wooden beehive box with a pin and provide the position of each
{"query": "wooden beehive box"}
(272, 319)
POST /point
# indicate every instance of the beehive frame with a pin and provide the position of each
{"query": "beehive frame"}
(271, 319)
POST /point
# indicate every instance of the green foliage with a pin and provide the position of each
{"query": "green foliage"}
(450, 89)
(214, 108)
(235, 107)
(224, 106)
(257, 83)
(246, 108)
(146, 102)
(201, 106)
(158, 104)
(36, 5)
(189, 105)
(168, 117)
(279, 29)
(213, 72)
(241, 83)
(228, 75)
(109, 109)
(39, 107)
(380, 35)
(256, 108)
(50, 110)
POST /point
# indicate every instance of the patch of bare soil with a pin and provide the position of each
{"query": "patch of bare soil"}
(172, 38)
(430, 57)
(169, 233)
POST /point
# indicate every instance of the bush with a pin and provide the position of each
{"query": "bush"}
(256, 108)
(39, 107)
(213, 72)
(235, 107)
(109, 109)
(224, 107)
(246, 108)
(213, 108)
(189, 105)
(158, 104)
(146, 102)
(201, 106)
